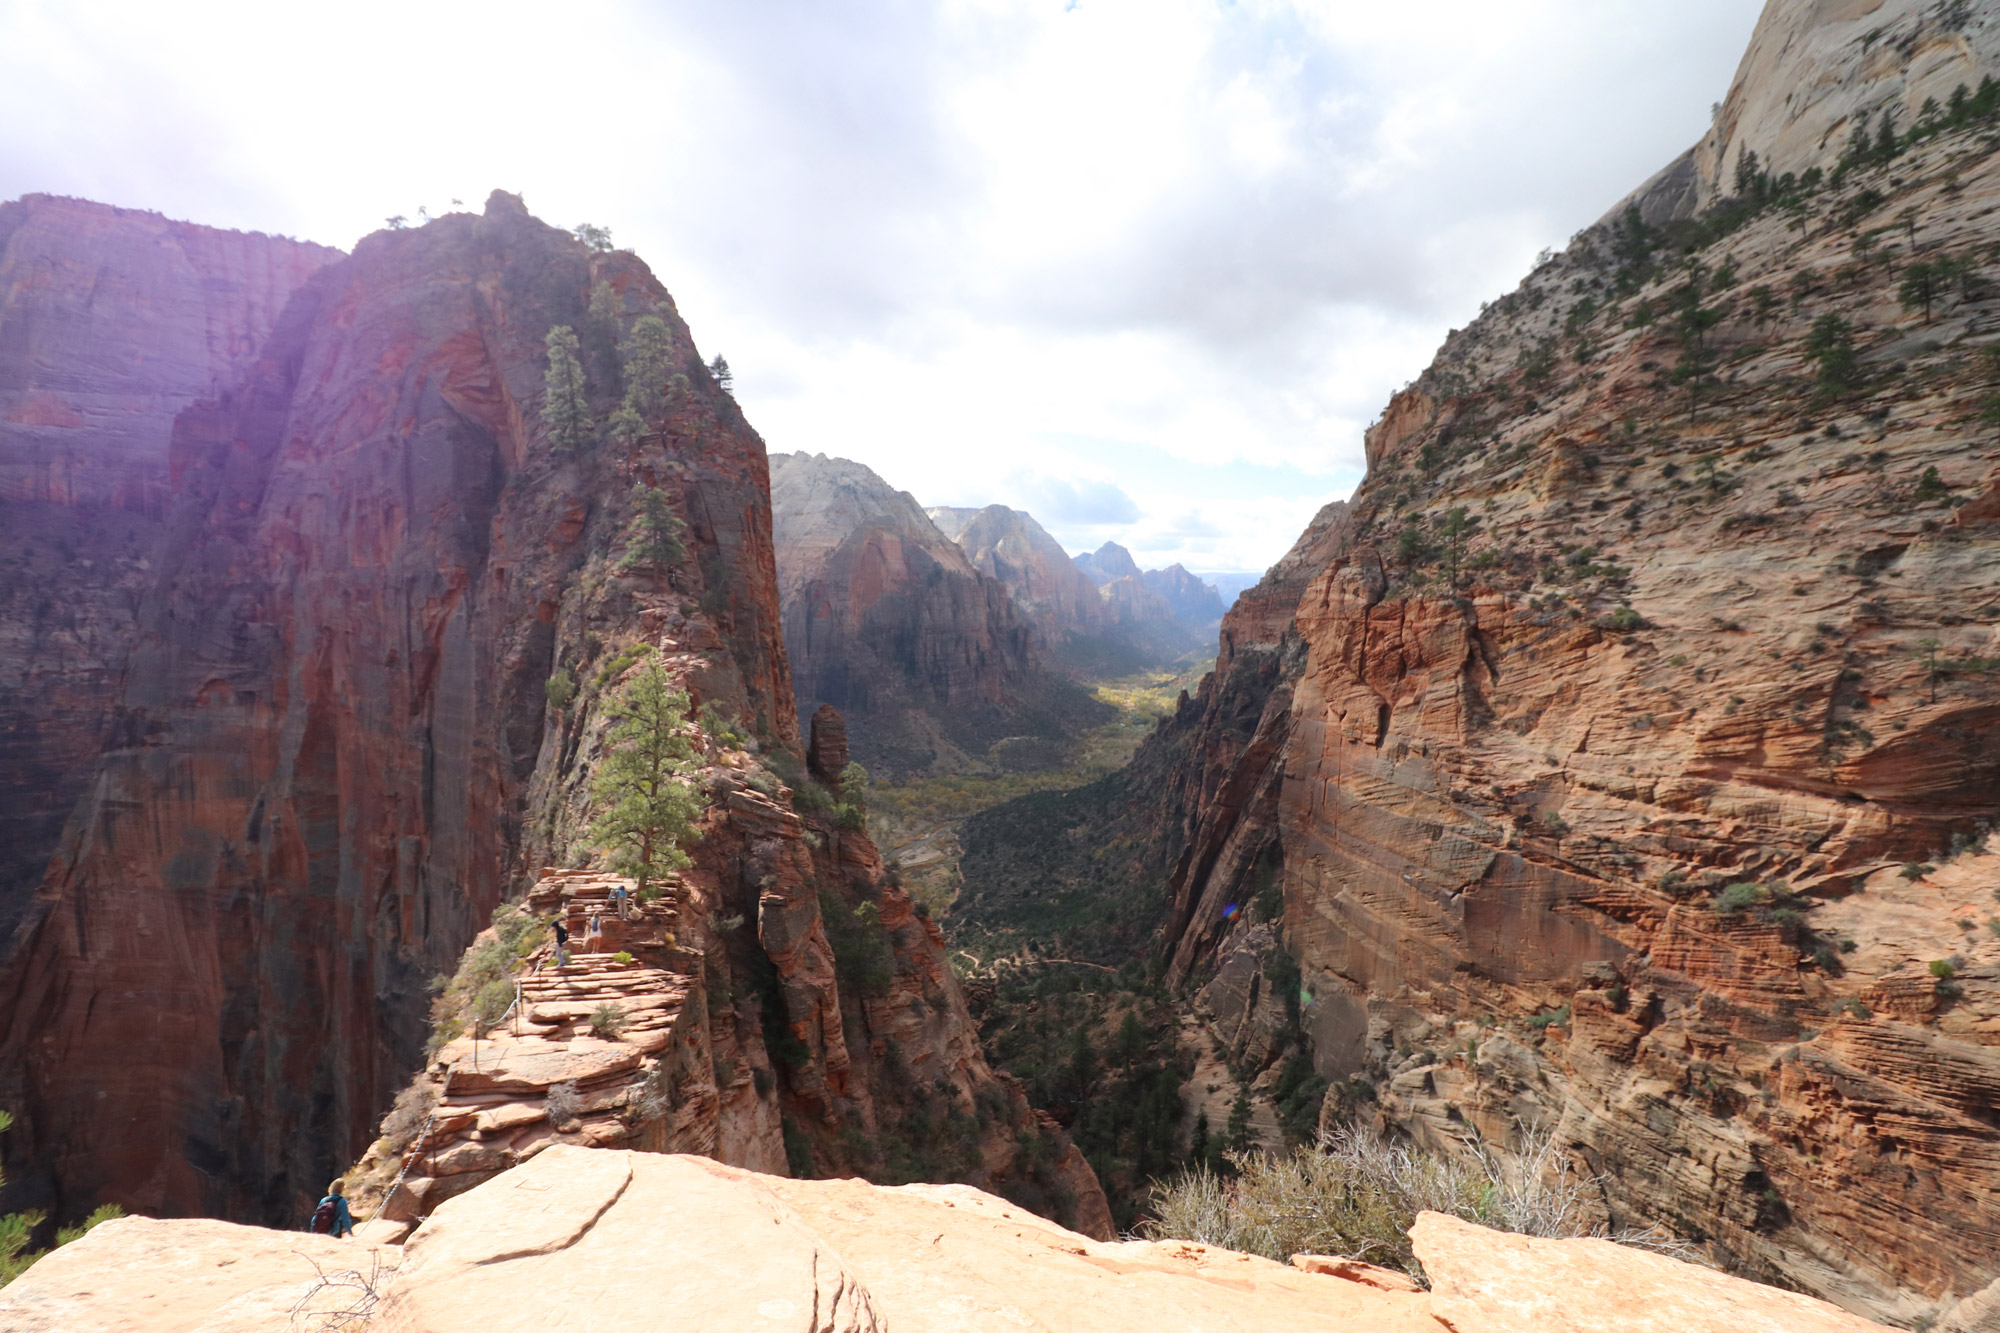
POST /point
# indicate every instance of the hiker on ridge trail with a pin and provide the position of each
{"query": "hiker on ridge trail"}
(621, 901)
(562, 940)
(331, 1217)
(596, 928)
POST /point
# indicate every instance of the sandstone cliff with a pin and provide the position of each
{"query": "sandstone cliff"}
(887, 620)
(111, 321)
(1818, 71)
(1008, 546)
(673, 1242)
(1620, 759)
(341, 743)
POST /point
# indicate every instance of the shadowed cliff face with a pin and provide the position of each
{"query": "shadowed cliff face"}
(887, 620)
(338, 748)
(1714, 611)
(111, 321)
(313, 794)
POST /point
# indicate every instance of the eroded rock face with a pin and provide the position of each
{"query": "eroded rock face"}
(887, 620)
(342, 742)
(111, 321)
(1817, 69)
(1683, 639)
(1007, 545)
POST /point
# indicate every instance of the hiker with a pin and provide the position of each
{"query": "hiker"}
(621, 901)
(596, 930)
(331, 1217)
(562, 940)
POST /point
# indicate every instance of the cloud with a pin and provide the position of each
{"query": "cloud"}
(1072, 503)
(953, 239)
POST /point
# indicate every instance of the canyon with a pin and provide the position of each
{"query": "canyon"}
(363, 695)
(1618, 768)
(1620, 760)
(887, 620)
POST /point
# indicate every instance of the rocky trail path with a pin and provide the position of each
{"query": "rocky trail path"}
(594, 1052)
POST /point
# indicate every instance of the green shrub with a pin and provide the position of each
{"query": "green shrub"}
(863, 958)
(561, 690)
(1738, 898)
(1554, 1018)
(1942, 969)
(622, 956)
(1623, 621)
(490, 1004)
(720, 726)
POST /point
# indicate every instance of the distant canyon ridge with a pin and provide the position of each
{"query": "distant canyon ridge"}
(960, 638)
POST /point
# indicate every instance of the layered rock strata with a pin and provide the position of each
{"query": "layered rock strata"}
(111, 321)
(1010, 547)
(888, 621)
(367, 692)
(1622, 755)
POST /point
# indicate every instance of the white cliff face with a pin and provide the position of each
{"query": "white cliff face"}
(1814, 67)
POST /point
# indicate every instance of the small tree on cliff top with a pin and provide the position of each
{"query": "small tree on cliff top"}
(644, 787)
(565, 410)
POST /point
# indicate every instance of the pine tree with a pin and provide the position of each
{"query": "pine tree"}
(1238, 1139)
(565, 410)
(653, 537)
(649, 353)
(1831, 343)
(595, 239)
(644, 787)
(719, 369)
(1920, 288)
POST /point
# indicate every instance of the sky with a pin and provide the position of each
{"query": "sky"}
(1144, 268)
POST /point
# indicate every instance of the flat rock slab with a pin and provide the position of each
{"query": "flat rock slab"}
(194, 1275)
(642, 1242)
(1492, 1282)
(954, 1259)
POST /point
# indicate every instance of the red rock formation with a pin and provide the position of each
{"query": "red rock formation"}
(1684, 639)
(111, 321)
(335, 752)
(1008, 546)
(887, 620)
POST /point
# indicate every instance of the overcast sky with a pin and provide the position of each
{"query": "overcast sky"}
(1145, 268)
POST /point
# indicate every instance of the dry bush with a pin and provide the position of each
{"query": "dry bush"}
(607, 1020)
(564, 1104)
(407, 1116)
(1357, 1195)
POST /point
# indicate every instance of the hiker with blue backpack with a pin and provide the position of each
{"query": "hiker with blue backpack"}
(331, 1218)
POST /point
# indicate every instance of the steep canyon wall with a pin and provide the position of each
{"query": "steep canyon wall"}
(111, 321)
(1624, 755)
(335, 751)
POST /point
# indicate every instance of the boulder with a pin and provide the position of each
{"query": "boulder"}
(1494, 1282)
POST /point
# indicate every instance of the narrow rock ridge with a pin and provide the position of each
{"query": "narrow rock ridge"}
(363, 702)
